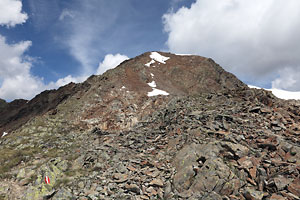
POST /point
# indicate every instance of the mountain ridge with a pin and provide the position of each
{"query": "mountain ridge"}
(158, 126)
(134, 75)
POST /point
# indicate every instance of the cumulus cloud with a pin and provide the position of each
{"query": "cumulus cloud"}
(257, 40)
(17, 82)
(288, 79)
(16, 79)
(68, 79)
(110, 61)
(11, 13)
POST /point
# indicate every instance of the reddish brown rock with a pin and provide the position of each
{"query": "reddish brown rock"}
(294, 188)
(252, 172)
(157, 182)
(277, 197)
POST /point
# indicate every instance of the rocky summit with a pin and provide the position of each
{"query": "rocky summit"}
(158, 126)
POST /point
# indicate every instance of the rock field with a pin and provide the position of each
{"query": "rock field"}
(212, 138)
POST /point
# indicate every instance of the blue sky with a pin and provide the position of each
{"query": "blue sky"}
(58, 41)
(108, 27)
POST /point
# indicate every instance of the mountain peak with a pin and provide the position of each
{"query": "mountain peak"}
(147, 75)
(159, 125)
(174, 74)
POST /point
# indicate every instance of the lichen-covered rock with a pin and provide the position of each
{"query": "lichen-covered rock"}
(62, 194)
(39, 192)
(200, 169)
(252, 194)
(41, 188)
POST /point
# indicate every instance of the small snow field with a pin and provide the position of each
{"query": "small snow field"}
(156, 92)
(152, 84)
(149, 63)
(157, 57)
(252, 86)
(282, 94)
(285, 94)
(4, 134)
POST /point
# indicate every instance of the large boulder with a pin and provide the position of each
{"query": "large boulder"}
(201, 169)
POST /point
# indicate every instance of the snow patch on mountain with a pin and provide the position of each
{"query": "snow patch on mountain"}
(282, 94)
(152, 84)
(156, 92)
(149, 63)
(4, 134)
(157, 57)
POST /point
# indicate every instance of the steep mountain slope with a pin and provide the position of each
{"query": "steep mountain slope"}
(2, 103)
(206, 136)
(18, 112)
(180, 75)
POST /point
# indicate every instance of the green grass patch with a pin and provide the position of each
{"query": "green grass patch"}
(10, 158)
(61, 182)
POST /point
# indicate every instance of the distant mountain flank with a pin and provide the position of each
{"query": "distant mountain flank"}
(2, 104)
(18, 112)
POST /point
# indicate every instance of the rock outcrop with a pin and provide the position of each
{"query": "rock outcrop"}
(207, 136)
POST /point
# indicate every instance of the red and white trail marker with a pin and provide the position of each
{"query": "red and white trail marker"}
(47, 180)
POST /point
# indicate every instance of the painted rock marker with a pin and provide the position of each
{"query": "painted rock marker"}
(47, 180)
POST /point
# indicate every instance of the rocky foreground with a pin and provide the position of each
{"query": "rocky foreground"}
(210, 139)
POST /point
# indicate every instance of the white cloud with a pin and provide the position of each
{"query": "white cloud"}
(11, 13)
(17, 82)
(16, 79)
(21, 86)
(68, 79)
(110, 61)
(252, 38)
(288, 79)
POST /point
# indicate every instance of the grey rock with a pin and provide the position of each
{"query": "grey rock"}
(63, 194)
(252, 194)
